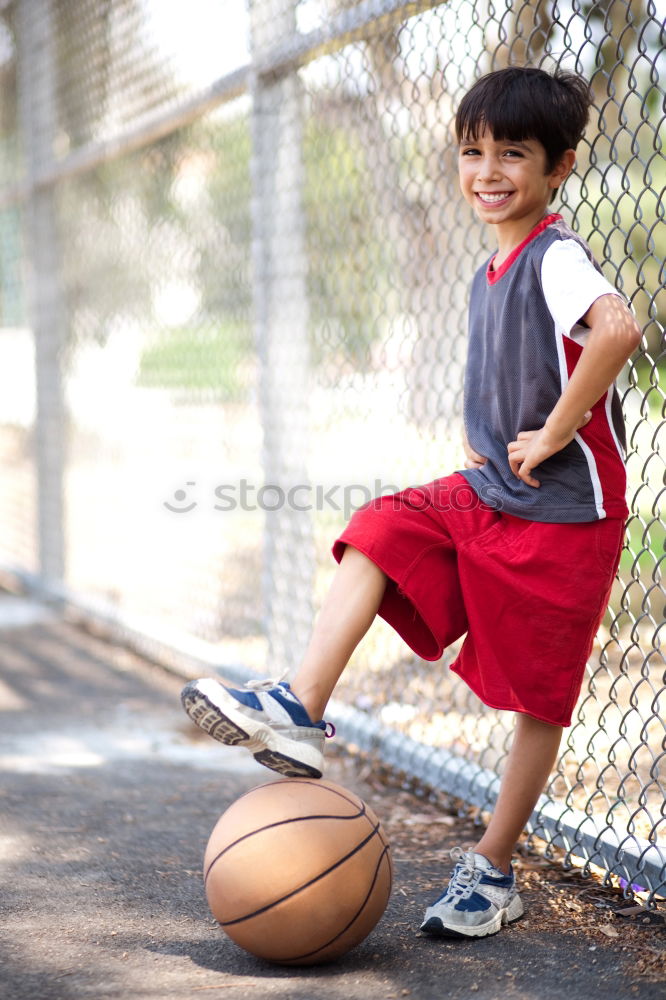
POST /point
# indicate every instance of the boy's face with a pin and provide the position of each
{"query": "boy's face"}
(507, 183)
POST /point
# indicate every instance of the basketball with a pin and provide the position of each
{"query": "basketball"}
(298, 871)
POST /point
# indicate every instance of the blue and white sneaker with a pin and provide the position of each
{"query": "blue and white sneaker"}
(478, 900)
(266, 717)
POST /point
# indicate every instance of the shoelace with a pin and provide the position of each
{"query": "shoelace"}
(266, 684)
(465, 876)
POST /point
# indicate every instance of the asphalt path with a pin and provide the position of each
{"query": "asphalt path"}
(107, 798)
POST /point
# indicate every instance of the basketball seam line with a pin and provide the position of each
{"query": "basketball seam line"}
(308, 954)
(282, 822)
(294, 892)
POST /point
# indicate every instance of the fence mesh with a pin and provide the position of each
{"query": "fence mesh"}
(233, 274)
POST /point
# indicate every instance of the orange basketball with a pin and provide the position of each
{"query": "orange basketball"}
(298, 871)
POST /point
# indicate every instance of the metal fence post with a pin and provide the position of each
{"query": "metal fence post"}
(281, 323)
(38, 118)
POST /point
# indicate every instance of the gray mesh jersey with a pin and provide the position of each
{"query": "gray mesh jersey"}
(524, 342)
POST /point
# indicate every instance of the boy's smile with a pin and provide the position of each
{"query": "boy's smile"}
(508, 184)
(490, 198)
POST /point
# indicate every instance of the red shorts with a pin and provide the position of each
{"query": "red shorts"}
(529, 595)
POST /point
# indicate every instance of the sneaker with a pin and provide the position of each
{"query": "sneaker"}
(266, 718)
(478, 900)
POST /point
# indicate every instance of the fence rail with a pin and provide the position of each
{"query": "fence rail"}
(232, 308)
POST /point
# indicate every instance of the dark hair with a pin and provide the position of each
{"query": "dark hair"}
(525, 103)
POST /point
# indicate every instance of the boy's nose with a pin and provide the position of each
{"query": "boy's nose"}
(488, 168)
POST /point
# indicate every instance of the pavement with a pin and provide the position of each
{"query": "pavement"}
(107, 797)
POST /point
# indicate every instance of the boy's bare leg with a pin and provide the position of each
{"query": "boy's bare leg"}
(531, 759)
(346, 615)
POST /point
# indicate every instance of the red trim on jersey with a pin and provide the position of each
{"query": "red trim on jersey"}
(494, 275)
(599, 437)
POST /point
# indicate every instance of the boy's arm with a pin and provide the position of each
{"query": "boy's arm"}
(613, 336)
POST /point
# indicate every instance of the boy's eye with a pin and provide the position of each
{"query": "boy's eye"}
(469, 152)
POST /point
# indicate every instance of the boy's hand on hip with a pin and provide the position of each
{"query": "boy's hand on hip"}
(472, 458)
(531, 448)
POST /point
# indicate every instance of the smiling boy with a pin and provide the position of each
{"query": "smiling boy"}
(520, 548)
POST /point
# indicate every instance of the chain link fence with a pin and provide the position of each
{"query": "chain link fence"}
(233, 274)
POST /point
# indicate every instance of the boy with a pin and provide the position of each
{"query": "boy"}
(519, 549)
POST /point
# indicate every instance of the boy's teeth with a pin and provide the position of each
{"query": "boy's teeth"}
(492, 197)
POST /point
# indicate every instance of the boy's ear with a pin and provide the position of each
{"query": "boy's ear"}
(562, 168)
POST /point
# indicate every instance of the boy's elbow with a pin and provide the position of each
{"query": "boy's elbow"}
(628, 335)
(613, 321)
(634, 335)
(621, 327)
(622, 323)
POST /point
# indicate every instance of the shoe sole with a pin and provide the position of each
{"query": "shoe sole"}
(437, 928)
(229, 726)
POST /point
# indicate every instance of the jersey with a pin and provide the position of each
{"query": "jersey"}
(525, 339)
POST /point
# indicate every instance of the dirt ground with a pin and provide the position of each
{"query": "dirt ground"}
(107, 798)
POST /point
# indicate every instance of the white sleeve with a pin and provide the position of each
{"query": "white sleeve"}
(571, 283)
